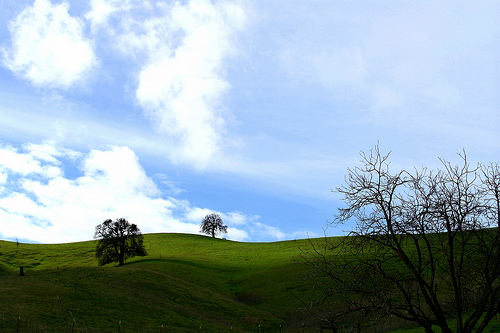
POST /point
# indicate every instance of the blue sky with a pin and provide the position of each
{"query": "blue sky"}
(162, 112)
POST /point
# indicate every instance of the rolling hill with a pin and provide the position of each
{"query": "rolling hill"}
(187, 283)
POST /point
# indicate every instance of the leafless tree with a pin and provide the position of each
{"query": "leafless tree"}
(212, 225)
(425, 248)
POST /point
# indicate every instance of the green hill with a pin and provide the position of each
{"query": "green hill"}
(186, 282)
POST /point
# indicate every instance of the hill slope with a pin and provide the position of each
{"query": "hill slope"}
(186, 282)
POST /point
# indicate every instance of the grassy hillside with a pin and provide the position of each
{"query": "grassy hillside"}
(186, 282)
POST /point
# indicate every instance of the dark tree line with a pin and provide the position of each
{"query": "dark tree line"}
(425, 248)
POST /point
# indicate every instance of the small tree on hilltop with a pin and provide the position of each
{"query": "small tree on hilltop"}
(118, 241)
(212, 225)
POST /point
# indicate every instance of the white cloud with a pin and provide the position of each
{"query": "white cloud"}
(237, 218)
(237, 234)
(182, 82)
(101, 10)
(113, 185)
(20, 203)
(268, 232)
(39, 203)
(178, 50)
(197, 214)
(168, 186)
(48, 46)
(26, 164)
(118, 169)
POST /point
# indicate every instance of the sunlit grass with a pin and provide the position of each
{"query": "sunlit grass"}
(185, 282)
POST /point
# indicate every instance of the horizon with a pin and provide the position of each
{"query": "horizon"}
(172, 233)
(162, 112)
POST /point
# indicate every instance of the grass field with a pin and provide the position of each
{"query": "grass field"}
(187, 283)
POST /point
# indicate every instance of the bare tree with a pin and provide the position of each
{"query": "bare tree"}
(425, 248)
(118, 241)
(212, 225)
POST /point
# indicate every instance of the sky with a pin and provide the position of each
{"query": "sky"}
(162, 112)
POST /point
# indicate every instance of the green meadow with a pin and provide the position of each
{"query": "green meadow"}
(187, 283)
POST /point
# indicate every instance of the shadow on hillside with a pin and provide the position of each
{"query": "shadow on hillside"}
(169, 261)
(250, 298)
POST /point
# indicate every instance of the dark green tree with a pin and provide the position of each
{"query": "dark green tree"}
(118, 241)
(425, 248)
(212, 225)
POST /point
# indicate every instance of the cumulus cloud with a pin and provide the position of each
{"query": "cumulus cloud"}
(101, 10)
(48, 46)
(39, 202)
(52, 208)
(182, 81)
(27, 164)
(178, 50)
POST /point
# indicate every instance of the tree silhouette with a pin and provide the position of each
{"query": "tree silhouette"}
(425, 248)
(118, 241)
(212, 225)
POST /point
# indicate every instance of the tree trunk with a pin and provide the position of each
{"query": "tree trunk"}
(121, 259)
